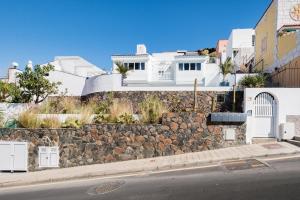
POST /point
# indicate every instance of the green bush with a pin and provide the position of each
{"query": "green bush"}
(256, 81)
(125, 119)
(72, 123)
(152, 109)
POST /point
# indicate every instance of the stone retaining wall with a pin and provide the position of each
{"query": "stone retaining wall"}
(102, 143)
(177, 101)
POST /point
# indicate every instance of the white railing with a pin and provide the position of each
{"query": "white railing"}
(165, 76)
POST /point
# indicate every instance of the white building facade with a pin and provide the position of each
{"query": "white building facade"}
(241, 46)
(179, 68)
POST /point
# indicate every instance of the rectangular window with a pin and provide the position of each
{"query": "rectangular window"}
(180, 66)
(131, 66)
(198, 66)
(193, 66)
(136, 66)
(126, 65)
(186, 66)
(221, 98)
(142, 66)
(253, 40)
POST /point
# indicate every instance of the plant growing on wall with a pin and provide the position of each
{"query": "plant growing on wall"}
(256, 81)
(122, 70)
(152, 109)
(35, 85)
(5, 90)
(226, 68)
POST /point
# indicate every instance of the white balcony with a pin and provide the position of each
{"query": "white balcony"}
(165, 76)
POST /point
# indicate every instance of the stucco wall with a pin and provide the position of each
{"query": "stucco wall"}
(266, 31)
(287, 103)
(73, 83)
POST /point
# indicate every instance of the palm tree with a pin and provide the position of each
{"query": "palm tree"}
(122, 70)
(226, 68)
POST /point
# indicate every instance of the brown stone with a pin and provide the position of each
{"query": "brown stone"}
(218, 130)
(119, 150)
(161, 146)
(140, 139)
(174, 126)
(161, 138)
(109, 158)
(174, 137)
(165, 128)
(167, 141)
(170, 115)
(178, 152)
(211, 129)
(183, 126)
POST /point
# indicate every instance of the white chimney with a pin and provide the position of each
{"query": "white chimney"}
(141, 49)
(14, 65)
(29, 65)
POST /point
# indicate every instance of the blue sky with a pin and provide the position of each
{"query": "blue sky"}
(95, 29)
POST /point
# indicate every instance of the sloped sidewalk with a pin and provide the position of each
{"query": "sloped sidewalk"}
(152, 164)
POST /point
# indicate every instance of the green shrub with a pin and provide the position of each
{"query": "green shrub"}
(29, 119)
(72, 123)
(152, 109)
(101, 118)
(125, 119)
(256, 81)
(51, 122)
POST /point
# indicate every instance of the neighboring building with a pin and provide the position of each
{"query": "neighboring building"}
(240, 47)
(72, 72)
(278, 42)
(76, 65)
(12, 74)
(221, 50)
(179, 68)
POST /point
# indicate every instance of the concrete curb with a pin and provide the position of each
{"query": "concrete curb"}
(141, 169)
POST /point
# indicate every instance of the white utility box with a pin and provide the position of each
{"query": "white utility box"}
(48, 157)
(229, 134)
(13, 156)
(287, 131)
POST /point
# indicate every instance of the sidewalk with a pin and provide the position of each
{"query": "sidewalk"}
(152, 164)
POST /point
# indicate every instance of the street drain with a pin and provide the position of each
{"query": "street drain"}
(105, 188)
(243, 164)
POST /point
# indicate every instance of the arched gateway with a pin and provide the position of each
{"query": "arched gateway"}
(265, 110)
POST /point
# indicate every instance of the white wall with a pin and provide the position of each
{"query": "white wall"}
(102, 83)
(73, 83)
(12, 110)
(288, 103)
(239, 38)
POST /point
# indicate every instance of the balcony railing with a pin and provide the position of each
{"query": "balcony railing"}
(165, 76)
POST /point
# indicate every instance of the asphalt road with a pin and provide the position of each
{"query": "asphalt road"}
(279, 181)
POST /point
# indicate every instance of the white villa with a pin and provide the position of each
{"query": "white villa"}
(240, 47)
(166, 71)
(178, 68)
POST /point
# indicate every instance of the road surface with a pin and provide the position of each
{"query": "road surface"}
(279, 180)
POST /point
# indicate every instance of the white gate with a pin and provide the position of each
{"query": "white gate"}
(264, 115)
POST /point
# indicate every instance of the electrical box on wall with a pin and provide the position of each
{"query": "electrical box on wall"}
(48, 157)
(287, 131)
(229, 134)
(13, 156)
